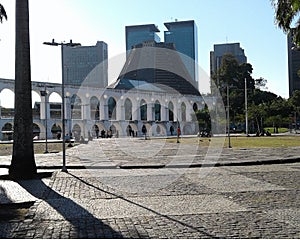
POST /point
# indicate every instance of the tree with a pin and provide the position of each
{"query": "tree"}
(260, 96)
(261, 83)
(295, 98)
(286, 14)
(23, 164)
(204, 119)
(228, 71)
(234, 74)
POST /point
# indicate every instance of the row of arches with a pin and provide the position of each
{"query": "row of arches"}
(99, 130)
(7, 97)
(142, 108)
(106, 108)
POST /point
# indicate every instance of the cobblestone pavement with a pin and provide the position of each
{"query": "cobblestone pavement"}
(135, 152)
(106, 201)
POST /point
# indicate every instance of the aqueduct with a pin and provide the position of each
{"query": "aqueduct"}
(89, 110)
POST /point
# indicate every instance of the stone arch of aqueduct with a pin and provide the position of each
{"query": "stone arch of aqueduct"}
(88, 110)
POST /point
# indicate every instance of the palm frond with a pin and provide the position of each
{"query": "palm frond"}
(286, 12)
(2, 13)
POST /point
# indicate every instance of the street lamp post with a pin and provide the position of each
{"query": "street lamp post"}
(246, 107)
(62, 44)
(44, 94)
(228, 120)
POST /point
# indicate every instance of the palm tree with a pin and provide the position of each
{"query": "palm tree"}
(2, 13)
(286, 13)
(23, 164)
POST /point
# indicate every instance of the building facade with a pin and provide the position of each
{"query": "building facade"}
(184, 36)
(293, 65)
(86, 65)
(91, 110)
(137, 34)
(220, 50)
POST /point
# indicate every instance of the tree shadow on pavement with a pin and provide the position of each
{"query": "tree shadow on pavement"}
(80, 219)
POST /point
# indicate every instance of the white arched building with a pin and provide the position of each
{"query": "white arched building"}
(90, 110)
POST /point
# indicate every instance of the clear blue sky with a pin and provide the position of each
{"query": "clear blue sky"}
(249, 22)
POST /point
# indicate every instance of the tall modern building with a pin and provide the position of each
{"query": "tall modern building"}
(184, 36)
(294, 66)
(137, 34)
(86, 65)
(220, 50)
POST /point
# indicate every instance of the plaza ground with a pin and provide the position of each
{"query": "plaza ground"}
(134, 188)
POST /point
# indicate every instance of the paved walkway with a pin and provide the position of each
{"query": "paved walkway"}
(157, 153)
(131, 188)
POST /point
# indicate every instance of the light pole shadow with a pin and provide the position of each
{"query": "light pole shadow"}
(169, 218)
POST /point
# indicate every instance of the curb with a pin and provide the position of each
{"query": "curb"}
(159, 166)
(217, 164)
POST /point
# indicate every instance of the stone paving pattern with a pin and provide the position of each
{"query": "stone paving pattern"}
(106, 201)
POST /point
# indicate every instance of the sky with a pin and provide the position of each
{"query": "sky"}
(249, 22)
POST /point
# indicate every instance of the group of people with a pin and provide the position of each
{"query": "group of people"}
(263, 133)
(104, 134)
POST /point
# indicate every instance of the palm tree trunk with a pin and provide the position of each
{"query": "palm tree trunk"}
(23, 164)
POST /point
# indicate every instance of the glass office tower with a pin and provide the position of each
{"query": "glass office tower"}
(219, 51)
(184, 35)
(137, 34)
(226, 48)
(293, 65)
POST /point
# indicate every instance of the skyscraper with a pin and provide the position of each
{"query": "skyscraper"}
(137, 34)
(86, 65)
(184, 36)
(222, 49)
(293, 65)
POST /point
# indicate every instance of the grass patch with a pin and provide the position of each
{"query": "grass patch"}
(280, 130)
(264, 142)
(39, 148)
(245, 142)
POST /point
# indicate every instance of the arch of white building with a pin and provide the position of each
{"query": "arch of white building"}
(86, 117)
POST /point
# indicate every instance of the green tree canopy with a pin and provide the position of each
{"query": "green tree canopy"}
(260, 96)
(234, 74)
(295, 98)
(204, 118)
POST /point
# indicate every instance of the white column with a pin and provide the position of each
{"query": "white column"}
(43, 113)
(150, 108)
(135, 111)
(163, 113)
(103, 110)
(189, 111)
(86, 110)
(120, 114)
(178, 113)
(167, 110)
